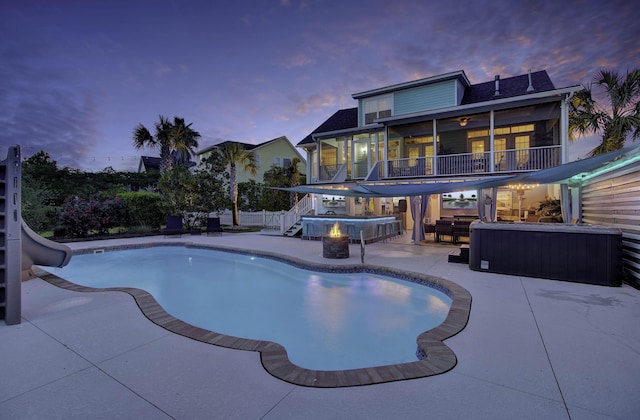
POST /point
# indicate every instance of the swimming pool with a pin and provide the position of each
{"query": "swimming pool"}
(343, 321)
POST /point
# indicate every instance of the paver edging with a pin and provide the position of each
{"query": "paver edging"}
(436, 357)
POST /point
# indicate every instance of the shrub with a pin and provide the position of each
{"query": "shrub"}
(60, 231)
(84, 216)
(144, 209)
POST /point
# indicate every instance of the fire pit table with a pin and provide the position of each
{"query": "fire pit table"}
(335, 246)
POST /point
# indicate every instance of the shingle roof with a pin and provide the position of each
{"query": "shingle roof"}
(342, 119)
(245, 146)
(151, 163)
(508, 87)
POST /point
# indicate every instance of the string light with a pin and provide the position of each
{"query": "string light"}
(523, 186)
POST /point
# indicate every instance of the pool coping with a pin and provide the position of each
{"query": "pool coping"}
(437, 359)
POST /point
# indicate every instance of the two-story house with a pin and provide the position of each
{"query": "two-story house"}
(277, 152)
(441, 129)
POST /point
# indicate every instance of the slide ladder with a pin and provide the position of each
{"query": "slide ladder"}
(20, 247)
(10, 235)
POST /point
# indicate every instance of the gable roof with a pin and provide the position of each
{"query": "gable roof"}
(508, 87)
(342, 119)
(152, 163)
(245, 146)
(456, 75)
(268, 142)
(149, 163)
(286, 140)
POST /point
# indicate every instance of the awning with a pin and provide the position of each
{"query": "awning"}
(350, 191)
(573, 171)
(403, 190)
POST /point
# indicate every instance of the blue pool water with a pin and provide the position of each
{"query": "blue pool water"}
(325, 321)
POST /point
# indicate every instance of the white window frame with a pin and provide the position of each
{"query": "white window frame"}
(377, 104)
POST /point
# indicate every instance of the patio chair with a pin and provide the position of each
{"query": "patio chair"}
(460, 229)
(444, 228)
(174, 226)
(213, 226)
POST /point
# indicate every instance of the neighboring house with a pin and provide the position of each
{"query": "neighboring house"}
(277, 152)
(151, 163)
(148, 164)
(441, 129)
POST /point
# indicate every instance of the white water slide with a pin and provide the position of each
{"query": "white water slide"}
(37, 250)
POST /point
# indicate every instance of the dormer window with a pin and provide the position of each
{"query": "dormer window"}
(377, 107)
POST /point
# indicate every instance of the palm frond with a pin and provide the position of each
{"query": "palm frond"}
(617, 120)
(142, 137)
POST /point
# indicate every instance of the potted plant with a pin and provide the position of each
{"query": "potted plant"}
(549, 210)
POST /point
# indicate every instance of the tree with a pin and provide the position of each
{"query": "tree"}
(37, 210)
(40, 166)
(250, 196)
(42, 173)
(234, 155)
(176, 141)
(195, 193)
(294, 176)
(617, 120)
(274, 199)
(145, 210)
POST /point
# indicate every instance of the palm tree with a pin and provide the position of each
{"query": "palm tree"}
(617, 120)
(175, 139)
(233, 154)
(184, 140)
(294, 176)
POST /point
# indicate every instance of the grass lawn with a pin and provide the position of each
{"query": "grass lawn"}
(122, 232)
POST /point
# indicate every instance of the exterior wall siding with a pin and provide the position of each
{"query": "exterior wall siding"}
(281, 148)
(424, 98)
(459, 92)
(613, 199)
(268, 153)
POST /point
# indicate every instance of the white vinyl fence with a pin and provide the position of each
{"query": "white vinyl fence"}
(265, 219)
(272, 220)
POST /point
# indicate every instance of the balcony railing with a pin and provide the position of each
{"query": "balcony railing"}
(360, 170)
(516, 160)
(327, 172)
(412, 167)
(527, 159)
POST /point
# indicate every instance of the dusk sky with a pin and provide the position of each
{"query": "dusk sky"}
(76, 77)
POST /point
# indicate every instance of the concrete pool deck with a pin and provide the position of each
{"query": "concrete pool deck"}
(533, 348)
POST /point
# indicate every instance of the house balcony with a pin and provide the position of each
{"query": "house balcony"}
(504, 161)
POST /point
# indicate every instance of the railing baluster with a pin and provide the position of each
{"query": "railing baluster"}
(511, 160)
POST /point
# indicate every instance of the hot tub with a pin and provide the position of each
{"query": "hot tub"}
(578, 253)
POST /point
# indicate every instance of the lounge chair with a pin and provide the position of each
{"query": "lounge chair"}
(213, 226)
(174, 226)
